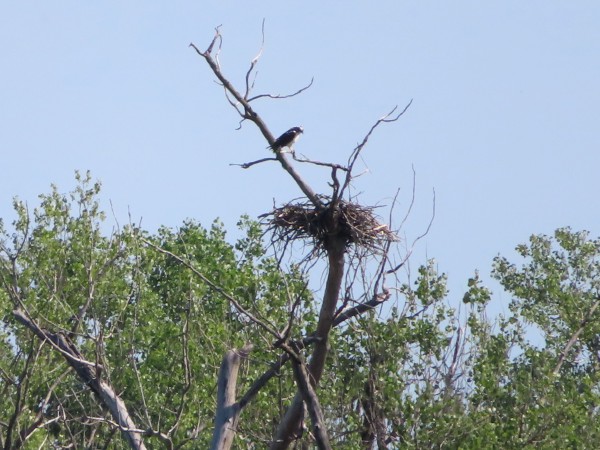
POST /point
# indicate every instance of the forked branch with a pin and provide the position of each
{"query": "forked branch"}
(332, 223)
(389, 117)
(279, 96)
(248, 113)
(307, 391)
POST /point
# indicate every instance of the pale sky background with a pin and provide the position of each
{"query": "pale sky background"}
(505, 121)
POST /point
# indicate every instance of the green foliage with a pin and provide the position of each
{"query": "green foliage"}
(416, 374)
(557, 288)
(531, 396)
(158, 331)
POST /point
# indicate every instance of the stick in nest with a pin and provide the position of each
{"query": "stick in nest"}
(357, 224)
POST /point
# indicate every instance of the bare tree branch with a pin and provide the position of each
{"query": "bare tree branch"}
(320, 163)
(279, 96)
(251, 115)
(106, 394)
(252, 163)
(417, 239)
(356, 152)
(253, 63)
(310, 397)
(228, 411)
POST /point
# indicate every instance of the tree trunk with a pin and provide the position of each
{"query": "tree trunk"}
(228, 410)
(291, 422)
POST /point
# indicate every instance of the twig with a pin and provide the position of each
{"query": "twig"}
(324, 164)
(417, 239)
(279, 96)
(252, 163)
(254, 62)
(356, 152)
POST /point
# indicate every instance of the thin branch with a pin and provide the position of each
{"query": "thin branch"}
(319, 163)
(412, 197)
(236, 106)
(253, 116)
(186, 371)
(252, 163)
(292, 310)
(450, 375)
(417, 239)
(254, 62)
(356, 152)
(279, 96)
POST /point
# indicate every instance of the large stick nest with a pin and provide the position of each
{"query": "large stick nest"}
(354, 223)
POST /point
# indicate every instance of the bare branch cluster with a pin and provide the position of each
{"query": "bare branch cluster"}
(331, 224)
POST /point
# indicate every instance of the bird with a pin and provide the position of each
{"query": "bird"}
(287, 139)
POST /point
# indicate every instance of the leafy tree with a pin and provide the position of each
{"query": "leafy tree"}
(141, 321)
(133, 305)
(181, 339)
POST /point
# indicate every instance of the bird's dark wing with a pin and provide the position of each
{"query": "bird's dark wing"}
(283, 140)
(287, 139)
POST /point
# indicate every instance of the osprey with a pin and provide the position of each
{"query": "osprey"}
(287, 139)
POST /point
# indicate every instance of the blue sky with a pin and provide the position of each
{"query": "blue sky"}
(504, 123)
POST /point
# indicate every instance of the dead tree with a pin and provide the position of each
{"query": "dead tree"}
(88, 373)
(227, 416)
(332, 223)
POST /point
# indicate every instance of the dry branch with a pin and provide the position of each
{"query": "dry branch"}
(358, 149)
(228, 411)
(248, 113)
(310, 397)
(290, 423)
(330, 223)
(84, 369)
